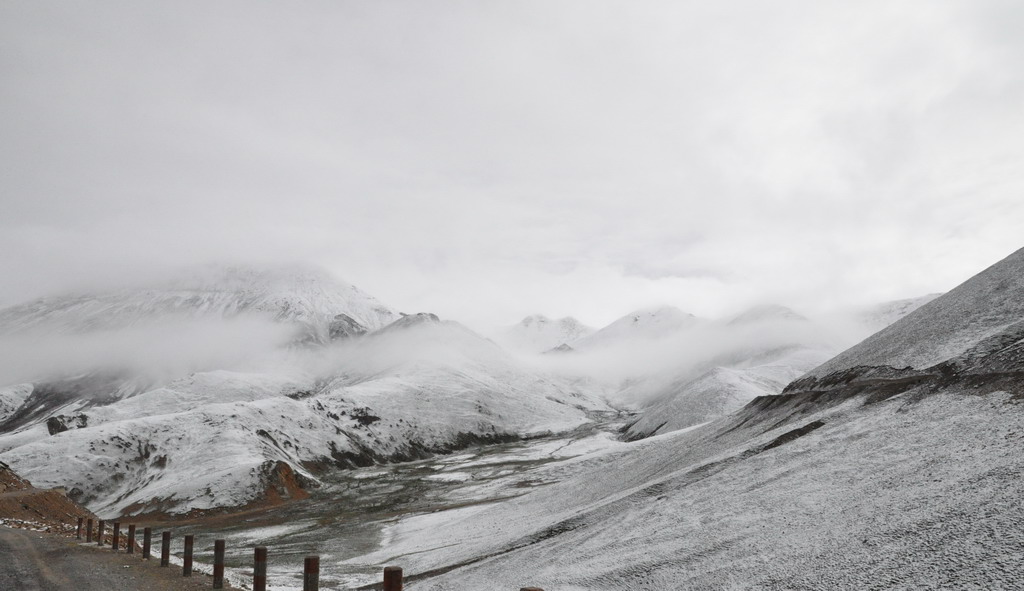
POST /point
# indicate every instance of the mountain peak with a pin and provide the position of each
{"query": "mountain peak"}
(538, 333)
(655, 322)
(300, 294)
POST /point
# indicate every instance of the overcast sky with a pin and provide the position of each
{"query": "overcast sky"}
(486, 159)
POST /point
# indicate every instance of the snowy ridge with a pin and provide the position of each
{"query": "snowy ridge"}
(652, 323)
(722, 390)
(305, 296)
(729, 363)
(984, 306)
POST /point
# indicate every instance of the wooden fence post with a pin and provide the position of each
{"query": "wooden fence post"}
(117, 535)
(218, 564)
(311, 574)
(259, 571)
(165, 550)
(78, 531)
(88, 531)
(99, 532)
(392, 578)
(131, 538)
(186, 568)
(147, 542)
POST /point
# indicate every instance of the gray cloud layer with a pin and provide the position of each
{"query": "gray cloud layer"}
(489, 160)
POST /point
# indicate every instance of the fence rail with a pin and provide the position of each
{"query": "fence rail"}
(392, 576)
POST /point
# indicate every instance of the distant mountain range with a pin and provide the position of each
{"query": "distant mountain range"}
(306, 297)
(349, 382)
(378, 387)
(895, 464)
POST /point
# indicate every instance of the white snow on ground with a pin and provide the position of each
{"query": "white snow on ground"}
(538, 333)
(878, 497)
(985, 305)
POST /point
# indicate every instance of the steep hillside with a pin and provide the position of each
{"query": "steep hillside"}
(986, 306)
(714, 393)
(728, 364)
(868, 478)
(22, 505)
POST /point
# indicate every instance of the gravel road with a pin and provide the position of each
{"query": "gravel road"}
(33, 561)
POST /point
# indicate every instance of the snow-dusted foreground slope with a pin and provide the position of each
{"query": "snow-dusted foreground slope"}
(848, 497)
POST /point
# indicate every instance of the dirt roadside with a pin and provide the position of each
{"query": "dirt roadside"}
(51, 562)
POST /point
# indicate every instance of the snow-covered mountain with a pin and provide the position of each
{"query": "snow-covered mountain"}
(757, 353)
(538, 333)
(987, 309)
(649, 324)
(416, 387)
(729, 363)
(864, 478)
(304, 296)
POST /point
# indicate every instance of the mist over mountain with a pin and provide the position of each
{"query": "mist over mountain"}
(273, 415)
(538, 333)
(925, 460)
(983, 312)
(200, 318)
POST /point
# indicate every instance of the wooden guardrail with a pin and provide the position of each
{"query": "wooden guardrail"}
(310, 571)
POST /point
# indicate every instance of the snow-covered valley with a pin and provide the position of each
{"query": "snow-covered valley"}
(664, 449)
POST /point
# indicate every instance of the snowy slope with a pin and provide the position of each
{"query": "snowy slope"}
(879, 483)
(11, 399)
(983, 307)
(538, 333)
(305, 296)
(884, 496)
(764, 349)
(649, 324)
(728, 364)
(223, 439)
(721, 390)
